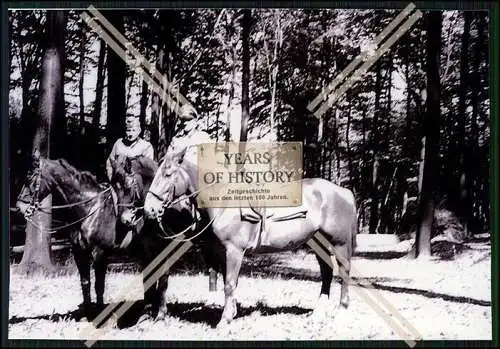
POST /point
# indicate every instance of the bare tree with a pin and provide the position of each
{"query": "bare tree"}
(37, 250)
(430, 138)
(115, 126)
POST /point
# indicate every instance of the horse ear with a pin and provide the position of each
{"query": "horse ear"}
(180, 155)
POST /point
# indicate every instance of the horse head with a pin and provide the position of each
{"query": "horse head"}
(36, 187)
(57, 177)
(131, 180)
(169, 187)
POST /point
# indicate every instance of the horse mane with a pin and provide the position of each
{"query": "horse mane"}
(84, 177)
(147, 168)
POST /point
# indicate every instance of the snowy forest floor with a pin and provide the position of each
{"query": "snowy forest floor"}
(442, 299)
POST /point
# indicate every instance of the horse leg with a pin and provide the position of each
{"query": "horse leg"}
(212, 280)
(326, 282)
(210, 259)
(100, 266)
(162, 297)
(343, 254)
(82, 260)
(234, 257)
(151, 301)
(214, 254)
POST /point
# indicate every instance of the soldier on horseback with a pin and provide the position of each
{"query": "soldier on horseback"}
(129, 146)
(188, 134)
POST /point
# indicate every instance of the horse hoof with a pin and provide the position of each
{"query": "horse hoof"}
(322, 308)
(340, 313)
(223, 324)
(144, 318)
(162, 315)
(85, 312)
(319, 314)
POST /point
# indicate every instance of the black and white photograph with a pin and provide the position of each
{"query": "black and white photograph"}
(390, 237)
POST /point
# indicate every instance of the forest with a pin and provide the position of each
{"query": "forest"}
(410, 138)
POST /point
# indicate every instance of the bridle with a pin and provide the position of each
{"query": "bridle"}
(166, 203)
(136, 197)
(34, 204)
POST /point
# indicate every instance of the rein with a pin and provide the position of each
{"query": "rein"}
(34, 205)
(78, 202)
(174, 235)
(192, 226)
(54, 230)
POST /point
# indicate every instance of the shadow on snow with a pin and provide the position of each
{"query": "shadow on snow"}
(194, 312)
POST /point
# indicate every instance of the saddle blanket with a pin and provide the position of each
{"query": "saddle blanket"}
(263, 215)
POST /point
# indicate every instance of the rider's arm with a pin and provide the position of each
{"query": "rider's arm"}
(149, 152)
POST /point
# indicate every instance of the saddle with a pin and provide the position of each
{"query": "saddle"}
(261, 216)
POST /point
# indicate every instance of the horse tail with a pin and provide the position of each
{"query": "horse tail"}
(355, 227)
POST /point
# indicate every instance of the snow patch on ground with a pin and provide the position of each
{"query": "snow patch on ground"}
(277, 308)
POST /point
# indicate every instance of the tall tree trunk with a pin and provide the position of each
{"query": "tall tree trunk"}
(374, 217)
(245, 78)
(485, 165)
(37, 249)
(163, 117)
(430, 139)
(472, 164)
(389, 106)
(319, 143)
(81, 81)
(335, 143)
(352, 176)
(330, 164)
(116, 108)
(384, 211)
(143, 106)
(99, 88)
(462, 207)
(156, 103)
(406, 163)
(278, 41)
(227, 135)
(59, 140)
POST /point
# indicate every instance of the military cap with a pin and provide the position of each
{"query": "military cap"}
(187, 112)
(132, 122)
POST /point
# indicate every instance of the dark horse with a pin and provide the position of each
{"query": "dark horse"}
(89, 206)
(132, 180)
(329, 209)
